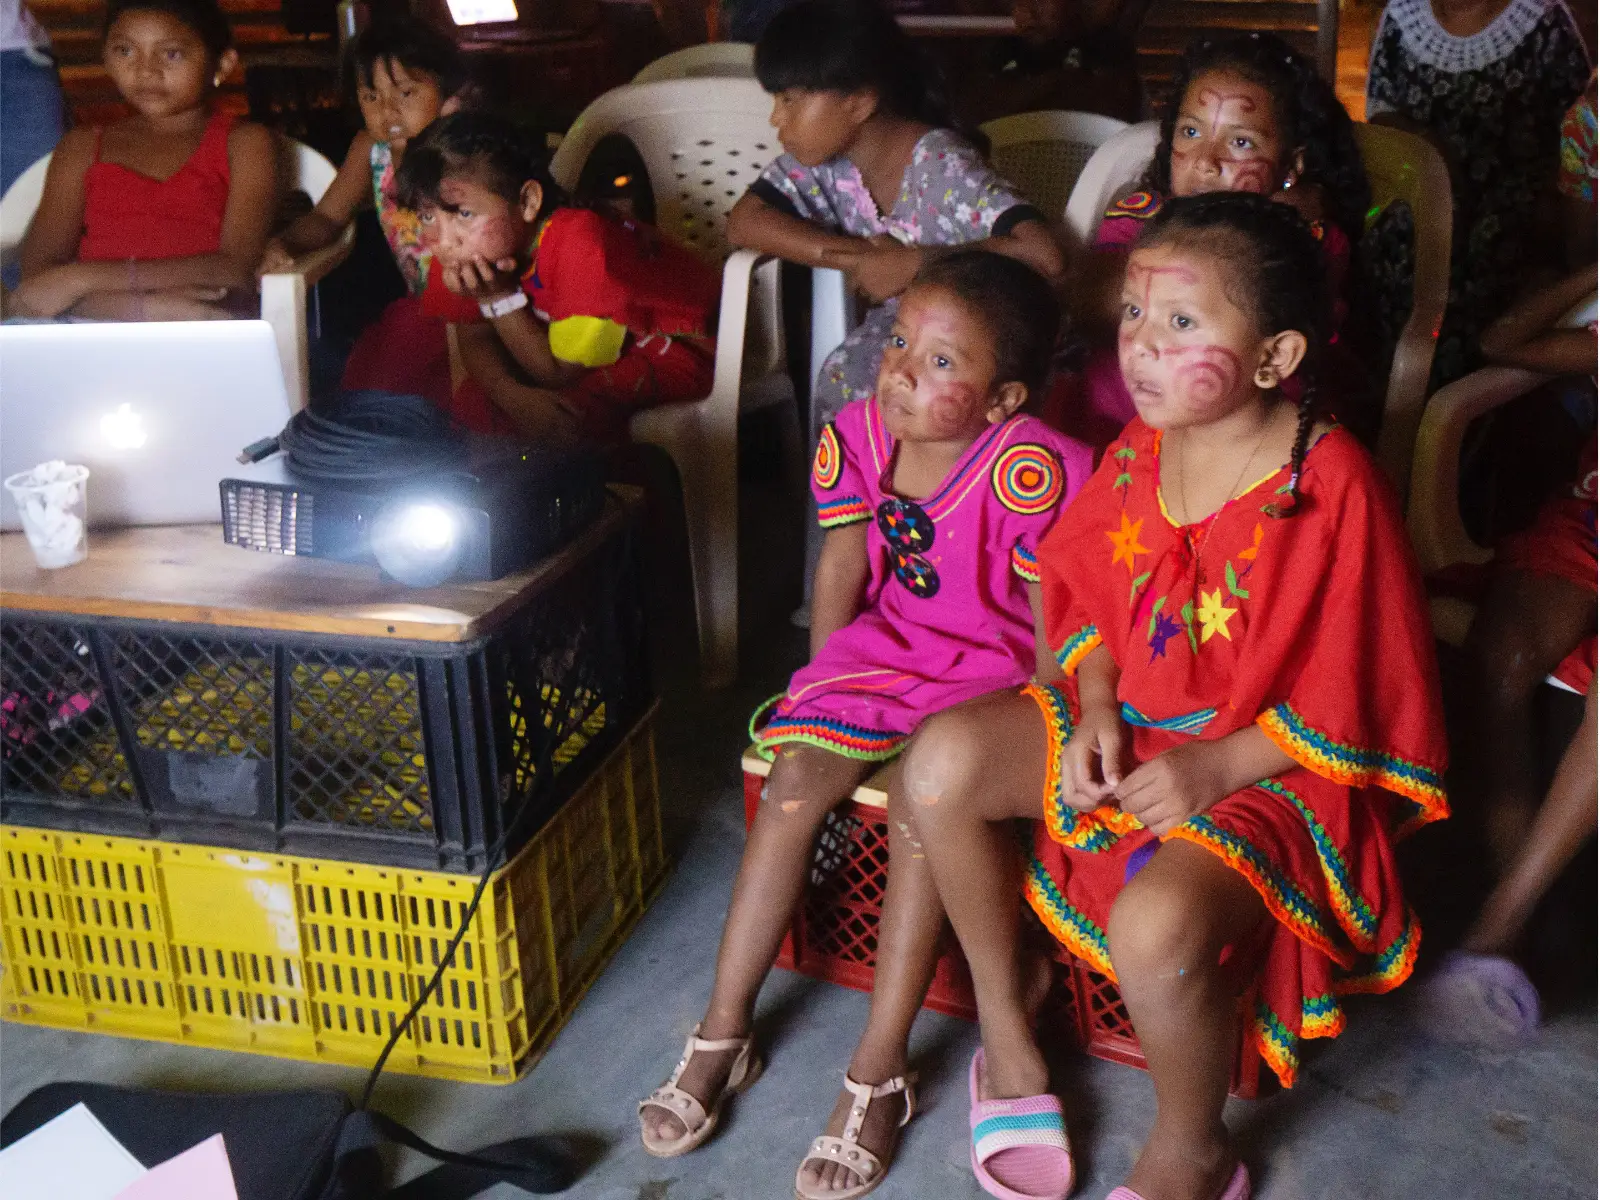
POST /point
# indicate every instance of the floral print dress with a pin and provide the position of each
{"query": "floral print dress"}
(1495, 101)
(950, 195)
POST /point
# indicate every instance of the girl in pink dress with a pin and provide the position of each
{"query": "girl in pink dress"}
(1248, 115)
(934, 494)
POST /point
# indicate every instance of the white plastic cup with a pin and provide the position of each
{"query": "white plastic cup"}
(52, 502)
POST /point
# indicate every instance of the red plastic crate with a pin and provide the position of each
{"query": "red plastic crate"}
(834, 938)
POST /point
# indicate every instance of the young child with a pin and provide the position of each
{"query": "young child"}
(1249, 719)
(572, 321)
(1251, 115)
(934, 493)
(871, 175)
(406, 74)
(161, 215)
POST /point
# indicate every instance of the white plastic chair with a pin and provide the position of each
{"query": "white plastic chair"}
(1111, 171)
(722, 60)
(1044, 153)
(703, 142)
(283, 296)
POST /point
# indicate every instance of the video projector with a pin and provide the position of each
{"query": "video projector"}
(506, 507)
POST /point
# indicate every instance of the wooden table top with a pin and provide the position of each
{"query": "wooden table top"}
(188, 574)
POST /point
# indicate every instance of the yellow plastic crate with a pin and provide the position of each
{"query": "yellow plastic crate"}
(316, 959)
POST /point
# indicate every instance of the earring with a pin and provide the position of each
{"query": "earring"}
(1265, 378)
(1288, 182)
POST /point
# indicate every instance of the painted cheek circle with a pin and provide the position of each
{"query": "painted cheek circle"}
(1205, 374)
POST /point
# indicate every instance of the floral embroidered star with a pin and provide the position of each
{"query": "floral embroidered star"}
(1125, 542)
(1214, 614)
(1165, 630)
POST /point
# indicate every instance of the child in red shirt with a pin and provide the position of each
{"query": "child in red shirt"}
(570, 321)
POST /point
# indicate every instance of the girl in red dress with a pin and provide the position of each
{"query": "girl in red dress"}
(1247, 719)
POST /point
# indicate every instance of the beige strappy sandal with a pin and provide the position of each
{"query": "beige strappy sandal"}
(699, 1123)
(847, 1151)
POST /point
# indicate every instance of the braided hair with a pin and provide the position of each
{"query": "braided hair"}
(1278, 277)
(1309, 114)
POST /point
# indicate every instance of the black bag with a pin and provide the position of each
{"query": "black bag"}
(308, 1145)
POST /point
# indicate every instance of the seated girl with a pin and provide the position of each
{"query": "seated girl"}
(162, 215)
(872, 176)
(1250, 115)
(1246, 719)
(572, 321)
(934, 494)
(407, 74)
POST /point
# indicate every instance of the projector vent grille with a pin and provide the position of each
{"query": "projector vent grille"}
(277, 520)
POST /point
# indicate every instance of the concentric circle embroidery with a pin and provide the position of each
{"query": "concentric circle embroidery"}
(829, 461)
(1027, 479)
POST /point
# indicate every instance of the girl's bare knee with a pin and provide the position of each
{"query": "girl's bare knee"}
(1157, 933)
(941, 760)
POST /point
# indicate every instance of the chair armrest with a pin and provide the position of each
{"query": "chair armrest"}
(1434, 514)
(315, 266)
(733, 318)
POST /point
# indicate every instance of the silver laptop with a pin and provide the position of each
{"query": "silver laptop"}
(157, 411)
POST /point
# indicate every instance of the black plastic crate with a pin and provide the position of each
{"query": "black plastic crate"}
(403, 753)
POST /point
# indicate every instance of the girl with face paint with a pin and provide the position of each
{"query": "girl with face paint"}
(933, 494)
(1248, 115)
(1245, 717)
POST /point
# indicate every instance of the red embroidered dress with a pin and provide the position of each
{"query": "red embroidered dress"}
(1314, 628)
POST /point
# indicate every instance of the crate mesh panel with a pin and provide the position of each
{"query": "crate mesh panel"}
(197, 695)
(843, 903)
(55, 723)
(356, 753)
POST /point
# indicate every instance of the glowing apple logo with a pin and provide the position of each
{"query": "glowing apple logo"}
(124, 428)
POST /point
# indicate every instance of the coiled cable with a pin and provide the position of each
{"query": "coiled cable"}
(366, 437)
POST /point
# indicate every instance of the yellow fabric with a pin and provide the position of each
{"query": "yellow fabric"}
(587, 341)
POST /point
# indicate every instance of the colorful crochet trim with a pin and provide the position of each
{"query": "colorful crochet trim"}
(1320, 1017)
(1353, 913)
(849, 740)
(1354, 766)
(1391, 968)
(1092, 832)
(1068, 926)
(846, 510)
(1292, 907)
(1076, 648)
(1142, 205)
(1025, 563)
(1194, 722)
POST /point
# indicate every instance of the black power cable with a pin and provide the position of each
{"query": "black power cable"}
(373, 437)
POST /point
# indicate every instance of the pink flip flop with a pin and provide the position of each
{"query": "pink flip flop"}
(1019, 1147)
(1238, 1188)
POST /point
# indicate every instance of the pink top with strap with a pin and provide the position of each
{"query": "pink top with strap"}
(127, 214)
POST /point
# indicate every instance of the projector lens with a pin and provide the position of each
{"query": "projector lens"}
(417, 542)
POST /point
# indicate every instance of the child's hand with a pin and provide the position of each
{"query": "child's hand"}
(1173, 786)
(884, 268)
(481, 279)
(1093, 760)
(49, 293)
(275, 260)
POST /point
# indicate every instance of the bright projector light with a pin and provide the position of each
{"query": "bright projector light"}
(417, 542)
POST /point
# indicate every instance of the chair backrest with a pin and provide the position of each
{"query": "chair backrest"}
(18, 205)
(735, 60)
(300, 167)
(1112, 170)
(703, 142)
(1404, 168)
(1043, 153)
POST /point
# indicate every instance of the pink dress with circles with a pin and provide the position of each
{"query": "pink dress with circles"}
(945, 616)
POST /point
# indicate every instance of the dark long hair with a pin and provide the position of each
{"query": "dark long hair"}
(1309, 114)
(851, 46)
(416, 46)
(1277, 276)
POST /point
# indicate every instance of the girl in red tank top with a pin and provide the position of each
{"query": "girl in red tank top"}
(162, 215)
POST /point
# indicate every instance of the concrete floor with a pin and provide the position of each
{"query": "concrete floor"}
(1379, 1113)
